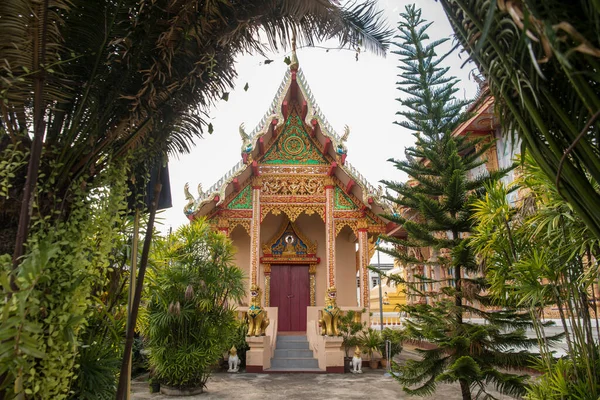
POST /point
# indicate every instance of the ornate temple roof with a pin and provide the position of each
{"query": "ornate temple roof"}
(295, 93)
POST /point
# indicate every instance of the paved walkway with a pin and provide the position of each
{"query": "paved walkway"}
(372, 384)
(242, 386)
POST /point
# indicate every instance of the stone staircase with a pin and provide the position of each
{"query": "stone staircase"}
(292, 354)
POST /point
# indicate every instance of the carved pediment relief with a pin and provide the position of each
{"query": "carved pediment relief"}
(289, 241)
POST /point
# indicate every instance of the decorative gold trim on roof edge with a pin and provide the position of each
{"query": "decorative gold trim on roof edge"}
(275, 112)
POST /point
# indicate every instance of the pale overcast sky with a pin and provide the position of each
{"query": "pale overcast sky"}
(359, 93)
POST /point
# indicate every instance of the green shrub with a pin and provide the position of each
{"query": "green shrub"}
(370, 341)
(395, 337)
(350, 325)
(190, 323)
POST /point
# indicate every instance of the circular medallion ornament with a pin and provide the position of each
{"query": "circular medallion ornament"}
(293, 145)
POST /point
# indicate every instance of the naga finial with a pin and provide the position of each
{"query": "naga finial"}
(340, 147)
(200, 191)
(243, 133)
(246, 142)
(188, 196)
(346, 133)
(294, 61)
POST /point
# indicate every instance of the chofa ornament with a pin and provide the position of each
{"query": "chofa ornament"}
(340, 147)
(247, 146)
(257, 316)
(234, 360)
(330, 314)
(357, 362)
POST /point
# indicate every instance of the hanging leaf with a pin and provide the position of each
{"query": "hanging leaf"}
(246, 87)
(211, 129)
(287, 60)
(268, 61)
(225, 96)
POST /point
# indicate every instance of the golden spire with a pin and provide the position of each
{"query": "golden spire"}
(294, 64)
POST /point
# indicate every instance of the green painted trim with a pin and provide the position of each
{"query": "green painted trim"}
(243, 201)
(342, 200)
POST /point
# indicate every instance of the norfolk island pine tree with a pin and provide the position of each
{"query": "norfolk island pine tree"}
(434, 208)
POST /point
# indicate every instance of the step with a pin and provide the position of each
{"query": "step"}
(290, 338)
(293, 353)
(292, 344)
(294, 370)
(291, 362)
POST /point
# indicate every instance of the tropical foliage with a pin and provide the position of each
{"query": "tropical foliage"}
(541, 60)
(539, 253)
(47, 297)
(350, 325)
(190, 322)
(445, 284)
(370, 341)
(91, 93)
(395, 338)
(100, 344)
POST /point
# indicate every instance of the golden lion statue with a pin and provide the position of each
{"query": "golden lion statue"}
(257, 317)
(330, 314)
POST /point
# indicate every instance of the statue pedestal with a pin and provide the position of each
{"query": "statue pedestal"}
(331, 354)
(258, 357)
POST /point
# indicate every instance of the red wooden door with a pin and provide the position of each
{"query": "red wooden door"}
(290, 293)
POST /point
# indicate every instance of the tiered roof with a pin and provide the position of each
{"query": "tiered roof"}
(293, 99)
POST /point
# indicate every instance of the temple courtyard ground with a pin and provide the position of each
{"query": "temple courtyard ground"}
(372, 384)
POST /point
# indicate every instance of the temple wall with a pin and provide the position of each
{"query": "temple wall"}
(345, 263)
(241, 241)
(268, 228)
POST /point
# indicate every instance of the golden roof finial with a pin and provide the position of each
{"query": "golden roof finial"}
(294, 64)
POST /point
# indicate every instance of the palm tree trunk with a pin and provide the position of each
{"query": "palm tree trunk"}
(38, 140)
(123, 377)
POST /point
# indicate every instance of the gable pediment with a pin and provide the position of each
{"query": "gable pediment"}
(293, 146)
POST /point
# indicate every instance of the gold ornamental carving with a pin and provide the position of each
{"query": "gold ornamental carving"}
(342, 222)
(245, 223)
(292, 211)
(294, 169)
(275, 199)
(268, 290)
(372, 243)
(255, 236)
(313, 290)
(293, 185)
(222, 223)
(363, 250)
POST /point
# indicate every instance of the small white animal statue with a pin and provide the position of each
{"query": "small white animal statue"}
(357, 362)
(234, 360)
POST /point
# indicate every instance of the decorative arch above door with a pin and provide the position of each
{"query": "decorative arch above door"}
(290, 246)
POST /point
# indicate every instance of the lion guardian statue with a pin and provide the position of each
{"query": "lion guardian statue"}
(357, 362)
(257, 316)
(234, 360)
(330, 314)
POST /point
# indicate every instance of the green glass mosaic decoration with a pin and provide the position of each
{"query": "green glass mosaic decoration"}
(243, 201)
(294, 146)
(342, 201)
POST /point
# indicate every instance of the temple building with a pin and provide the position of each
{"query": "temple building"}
(302, 219)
